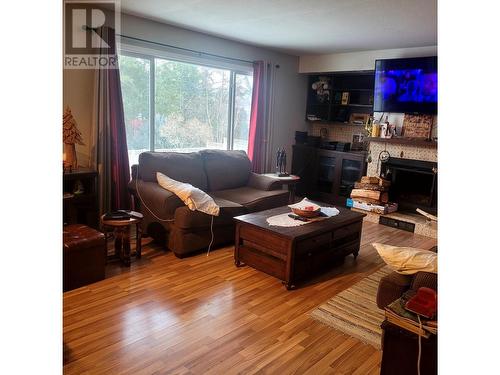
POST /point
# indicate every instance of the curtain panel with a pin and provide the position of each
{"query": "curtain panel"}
(261, 117)
(110, 157)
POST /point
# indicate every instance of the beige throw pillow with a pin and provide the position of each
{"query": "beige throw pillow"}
(407, 260)
(194, 198)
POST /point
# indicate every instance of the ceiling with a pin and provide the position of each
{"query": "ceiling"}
(301, 27)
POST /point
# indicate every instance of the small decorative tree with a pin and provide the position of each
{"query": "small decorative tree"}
(71, 136)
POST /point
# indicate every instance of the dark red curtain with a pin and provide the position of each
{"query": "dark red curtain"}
(257, 119)
(112, 153)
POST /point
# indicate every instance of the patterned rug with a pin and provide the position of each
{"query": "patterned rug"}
(354, 311)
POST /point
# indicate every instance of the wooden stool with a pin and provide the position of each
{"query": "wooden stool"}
(84, 257)
(121, 229)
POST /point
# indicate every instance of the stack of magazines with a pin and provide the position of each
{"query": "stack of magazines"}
(396, 314)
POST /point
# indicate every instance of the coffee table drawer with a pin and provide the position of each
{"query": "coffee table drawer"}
(263, 262)
(346, 230)
(313, 242)
(274, 243)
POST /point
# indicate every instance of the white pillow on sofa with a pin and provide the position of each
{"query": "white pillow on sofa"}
(192, 197)
(407, 260)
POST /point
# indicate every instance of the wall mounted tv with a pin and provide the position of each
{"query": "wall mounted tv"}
(406, 85)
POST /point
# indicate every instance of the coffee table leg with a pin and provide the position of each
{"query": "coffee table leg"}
(138, 231)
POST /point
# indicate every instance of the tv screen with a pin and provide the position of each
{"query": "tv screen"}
(406, 85)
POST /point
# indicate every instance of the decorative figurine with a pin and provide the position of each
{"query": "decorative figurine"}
(71, 136)
(281, 163)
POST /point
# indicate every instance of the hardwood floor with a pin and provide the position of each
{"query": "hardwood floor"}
(202, 315)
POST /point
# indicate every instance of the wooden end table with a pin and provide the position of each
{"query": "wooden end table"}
(121, 230)
(295, 253)
(291, 181)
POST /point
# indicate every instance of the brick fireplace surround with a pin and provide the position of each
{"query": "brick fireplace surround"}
(404, 151)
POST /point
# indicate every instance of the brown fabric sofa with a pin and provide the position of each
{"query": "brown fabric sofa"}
(392, 286)
(225, 175)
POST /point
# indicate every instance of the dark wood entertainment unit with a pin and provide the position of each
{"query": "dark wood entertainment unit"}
(327, 175)
(296, 253)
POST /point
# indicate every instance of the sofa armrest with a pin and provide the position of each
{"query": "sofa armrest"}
(135, 172)
(154, 199)
(424, 279)
(262, 182)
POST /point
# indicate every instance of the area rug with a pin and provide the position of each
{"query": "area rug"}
(354, 311)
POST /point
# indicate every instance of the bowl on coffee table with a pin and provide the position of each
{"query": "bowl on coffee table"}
(306, 209)
(309, 213)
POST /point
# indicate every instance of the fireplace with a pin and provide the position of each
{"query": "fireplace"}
(413, 183)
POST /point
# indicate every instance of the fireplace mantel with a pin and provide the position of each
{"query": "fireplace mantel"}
(417, 142)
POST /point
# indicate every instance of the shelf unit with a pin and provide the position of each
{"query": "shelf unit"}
(329, 108)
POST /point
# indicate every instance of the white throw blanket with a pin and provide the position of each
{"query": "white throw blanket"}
(194, 198)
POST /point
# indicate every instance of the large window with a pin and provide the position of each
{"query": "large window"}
(195, 107)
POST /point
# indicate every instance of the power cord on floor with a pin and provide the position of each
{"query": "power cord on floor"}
(211, 233)
(419, 345)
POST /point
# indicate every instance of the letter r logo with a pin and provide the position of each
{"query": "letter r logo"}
(81, 19)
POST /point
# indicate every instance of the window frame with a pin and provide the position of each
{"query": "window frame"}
(152, 55)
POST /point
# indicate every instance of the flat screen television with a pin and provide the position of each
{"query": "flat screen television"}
(406, 85)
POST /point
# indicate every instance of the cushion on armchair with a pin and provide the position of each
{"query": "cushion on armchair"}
(407, 260)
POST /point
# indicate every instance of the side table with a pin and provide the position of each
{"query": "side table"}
(291, 181)
(121, 229)
(400, 352)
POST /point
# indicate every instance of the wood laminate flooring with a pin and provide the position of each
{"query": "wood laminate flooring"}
(202, 315)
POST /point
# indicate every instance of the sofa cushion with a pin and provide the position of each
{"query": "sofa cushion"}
(187, 219)
(254, 199)
(183, 167)
(194, 198)
(226, 169)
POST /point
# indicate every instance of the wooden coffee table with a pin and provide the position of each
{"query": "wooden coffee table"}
(295, 253)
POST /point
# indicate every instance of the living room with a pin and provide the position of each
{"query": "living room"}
(251, 188)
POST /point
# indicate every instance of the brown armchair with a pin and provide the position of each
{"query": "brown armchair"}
(392, 286)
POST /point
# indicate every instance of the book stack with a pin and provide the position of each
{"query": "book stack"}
(396, 314)
(371, 194)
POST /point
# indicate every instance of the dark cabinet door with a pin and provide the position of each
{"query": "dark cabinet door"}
(305, 165)
(328, 176)
(350, 172)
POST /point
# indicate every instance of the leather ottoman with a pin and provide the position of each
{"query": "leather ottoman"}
(84, 256)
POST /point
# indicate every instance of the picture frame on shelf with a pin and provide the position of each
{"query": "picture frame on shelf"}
(345, 98)
(417, 126)
(359, 118)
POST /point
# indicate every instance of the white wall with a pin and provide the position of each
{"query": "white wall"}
(363, 60)
(78, 94)
(290, 87)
